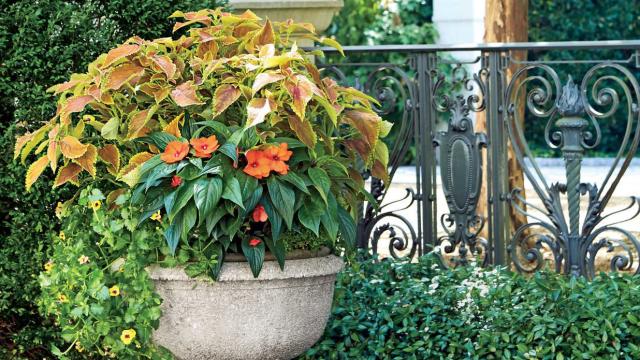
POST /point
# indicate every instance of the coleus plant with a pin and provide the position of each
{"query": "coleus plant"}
(227, 132)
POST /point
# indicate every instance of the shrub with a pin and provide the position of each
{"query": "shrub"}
(420, 311)
(370, 22)
(41, 44)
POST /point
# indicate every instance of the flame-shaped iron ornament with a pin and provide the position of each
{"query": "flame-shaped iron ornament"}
(574, 248)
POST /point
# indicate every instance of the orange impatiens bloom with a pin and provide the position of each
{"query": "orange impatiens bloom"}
(205, 146)
(259, 215)
(258, 165)
(174, 152)
(277, 155)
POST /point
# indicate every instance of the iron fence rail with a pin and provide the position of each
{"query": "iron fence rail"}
(509, 91)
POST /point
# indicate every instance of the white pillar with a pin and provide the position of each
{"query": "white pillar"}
(460, 22)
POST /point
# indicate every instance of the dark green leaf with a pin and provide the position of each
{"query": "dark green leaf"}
(161, 171)
(310, 214)
(172, 235)
(232, 191)
(283, 199)
(329, 218)
(277, 249)
(254, 255)
(295, 180)
(274, 218)
(347, 228)
(207, 193)
(184, 193)
(188, 220)
(159, 139)
(320, 181)
(230, 150)
(219, 255)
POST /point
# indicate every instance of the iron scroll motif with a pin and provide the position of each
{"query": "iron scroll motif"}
(574, 242)
(461, 172)
(395, 91)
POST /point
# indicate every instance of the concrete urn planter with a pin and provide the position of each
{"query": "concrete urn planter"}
(279, 315)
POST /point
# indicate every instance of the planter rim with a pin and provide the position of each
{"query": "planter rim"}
(240, 271)
(291, 255)
(286, 5)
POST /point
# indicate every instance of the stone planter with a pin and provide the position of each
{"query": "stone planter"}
(317, 12)
(277, 316)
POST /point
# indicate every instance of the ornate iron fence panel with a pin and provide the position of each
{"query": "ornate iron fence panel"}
(461, 201)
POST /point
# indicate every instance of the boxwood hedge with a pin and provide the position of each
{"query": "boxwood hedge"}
(41, 43)
(417, 310)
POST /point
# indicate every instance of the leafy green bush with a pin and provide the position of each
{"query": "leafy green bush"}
(95, 285)
(25, 219)
(41, 44)
(420, 311)
(372, 22)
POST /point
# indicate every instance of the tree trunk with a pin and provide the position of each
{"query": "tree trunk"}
(505, 21)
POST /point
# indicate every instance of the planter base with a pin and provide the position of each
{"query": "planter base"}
(277, 316)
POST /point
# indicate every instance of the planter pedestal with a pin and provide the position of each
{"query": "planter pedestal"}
(277, 316)
(317, 12)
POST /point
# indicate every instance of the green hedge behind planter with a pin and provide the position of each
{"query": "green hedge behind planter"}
(41, 43)
(418, 311)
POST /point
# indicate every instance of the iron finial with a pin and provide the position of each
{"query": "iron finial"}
(570, 103)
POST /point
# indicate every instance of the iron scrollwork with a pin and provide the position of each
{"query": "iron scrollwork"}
(461, 169)
(572, 114)
(395, 92)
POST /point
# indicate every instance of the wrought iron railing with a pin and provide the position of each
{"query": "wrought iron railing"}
(452, 161)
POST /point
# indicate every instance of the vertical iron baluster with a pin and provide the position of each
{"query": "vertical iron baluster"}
(497, 160)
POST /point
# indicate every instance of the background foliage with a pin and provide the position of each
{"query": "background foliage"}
(378, 22)
(41, 44)
(397, 310)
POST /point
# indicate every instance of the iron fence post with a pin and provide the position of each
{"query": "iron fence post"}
(496, 161)
(426, 122)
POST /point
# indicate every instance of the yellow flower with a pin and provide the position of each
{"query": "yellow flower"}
(83, 259)
(59, 210)
(79, 348)
(95, 205)
(62, 236)
(62, 298)
(48, 266)
(88, 118)
(156, 216)
(114, 290)
(127, 336)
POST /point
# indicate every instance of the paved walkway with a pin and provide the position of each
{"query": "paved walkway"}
(593, 170)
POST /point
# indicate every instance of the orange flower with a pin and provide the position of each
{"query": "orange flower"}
(174, 152)
(205, 146)
(254, 242)
(259, 215)
(258, 165)
(278, 155)
(176, 181)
